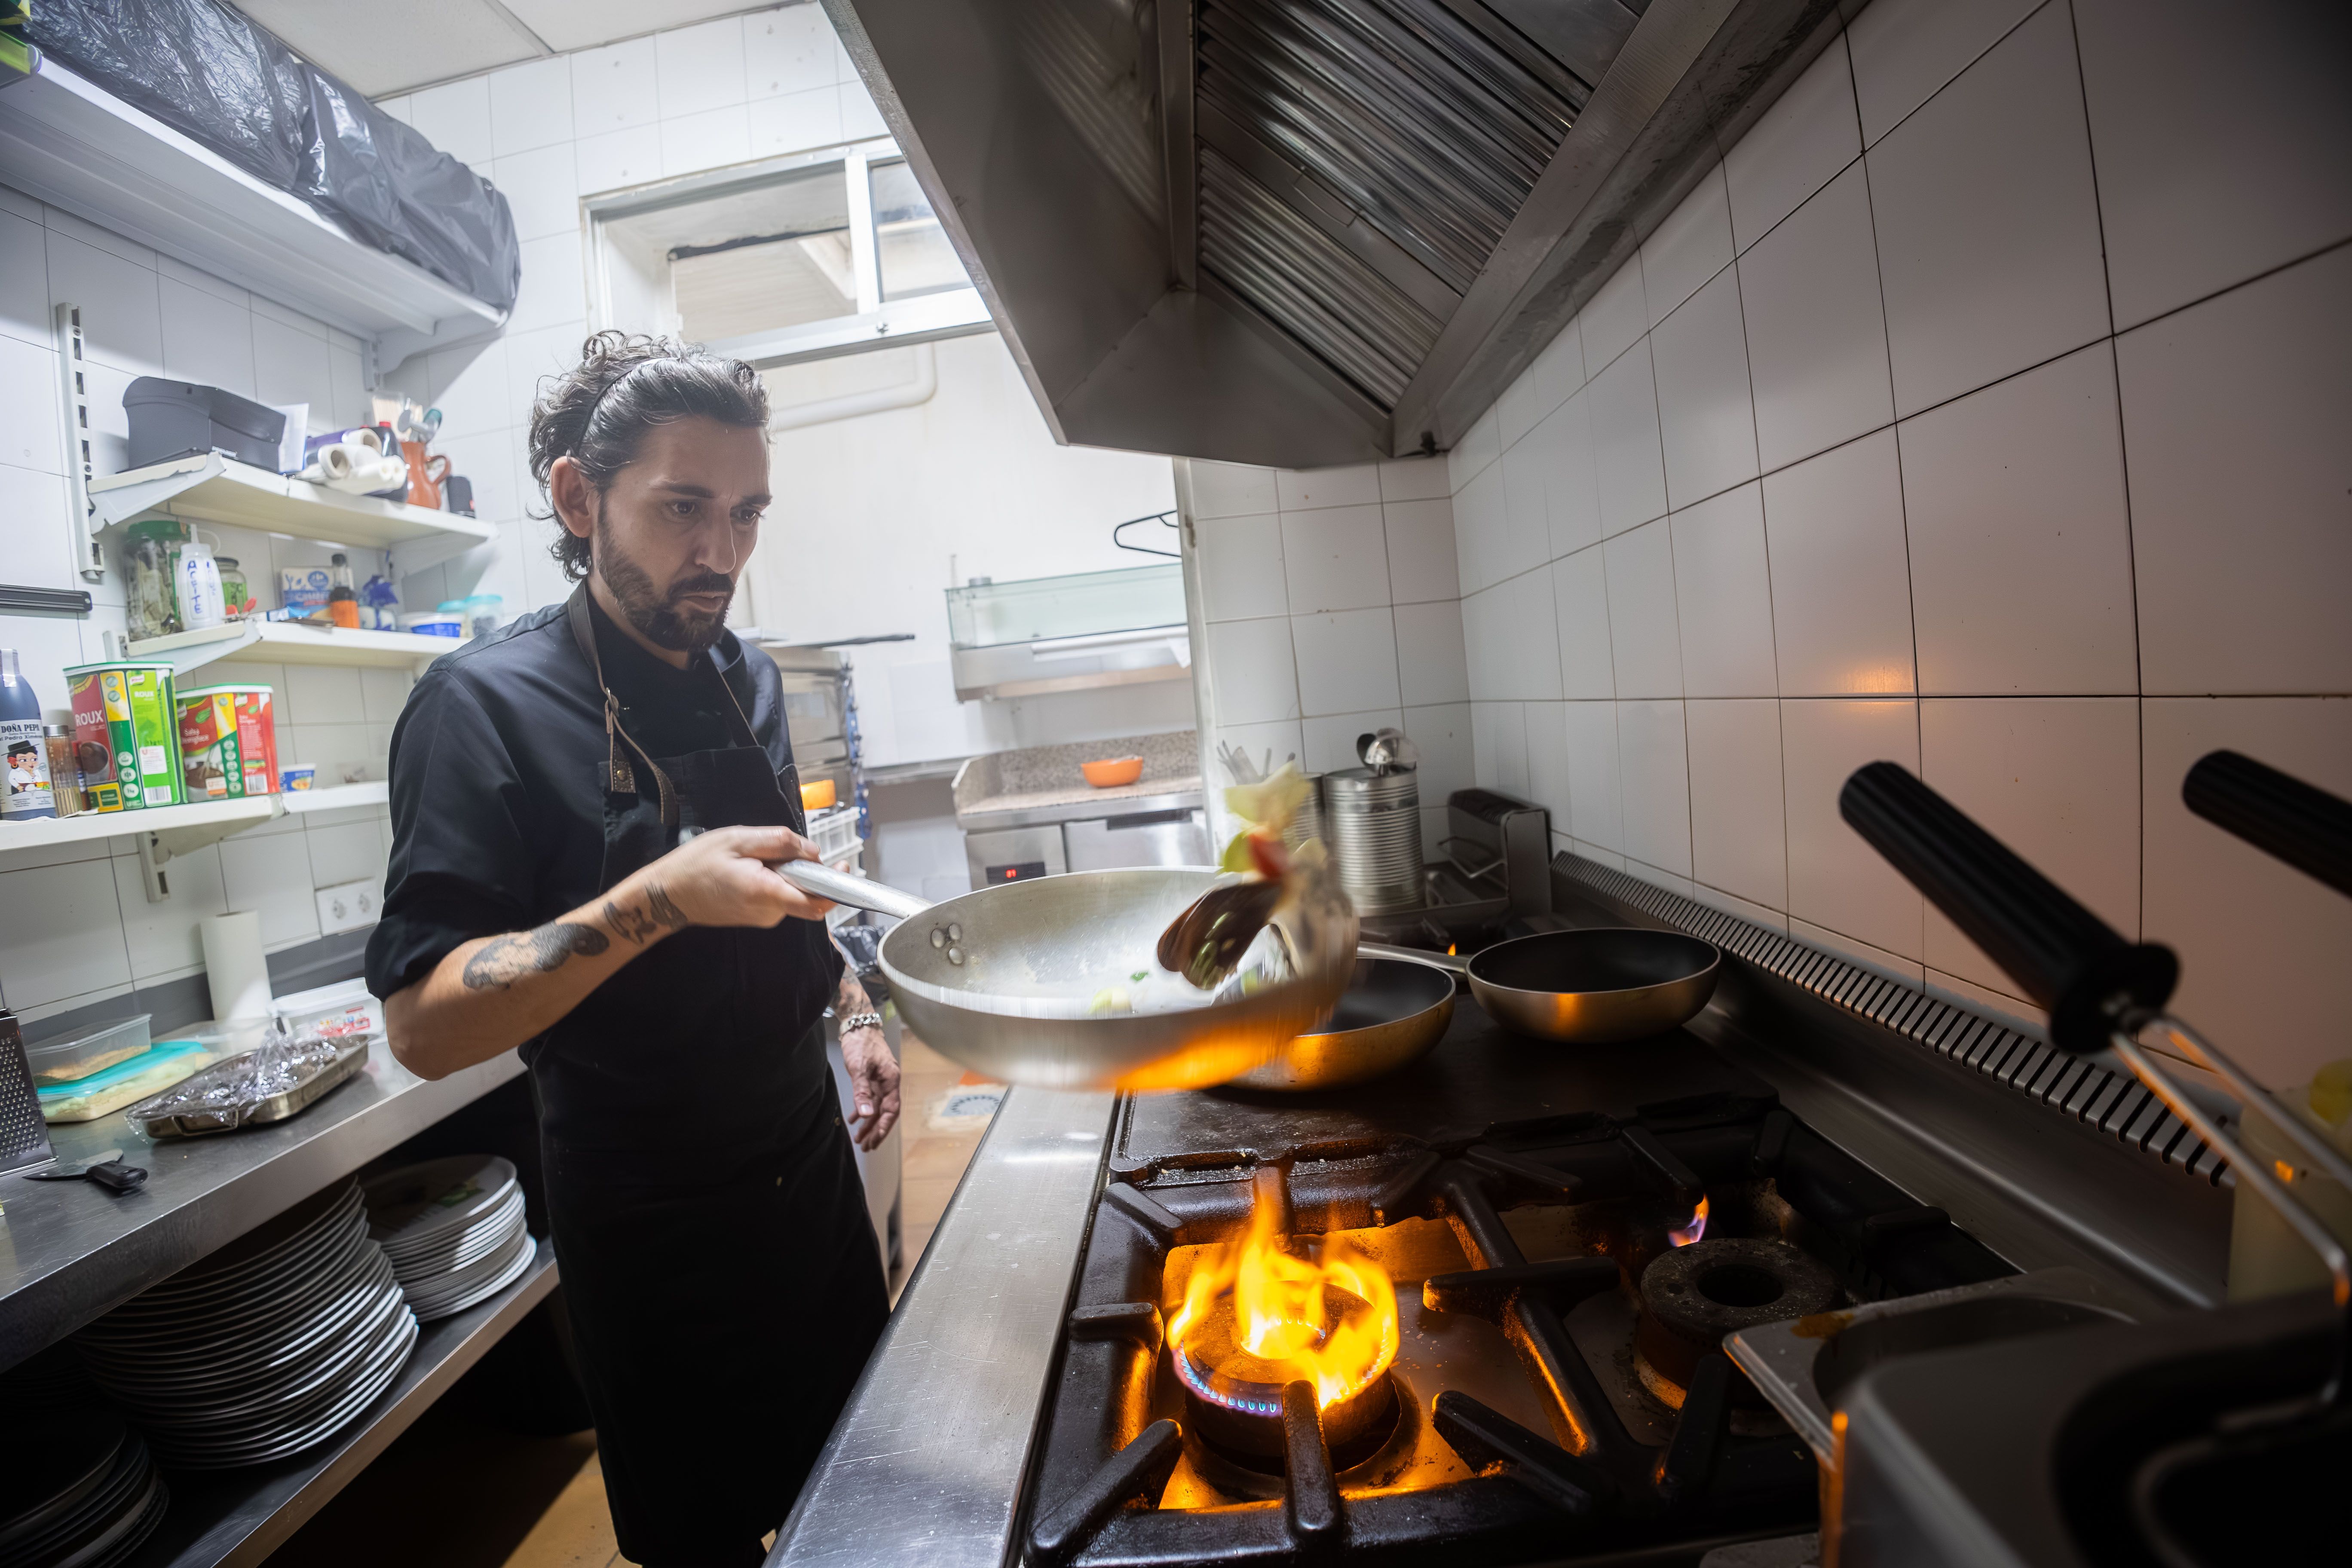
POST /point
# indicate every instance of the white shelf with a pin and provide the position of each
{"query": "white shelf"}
(340, 797)
(288, 642)
(213, 489)
(69, 141)
(179, 828)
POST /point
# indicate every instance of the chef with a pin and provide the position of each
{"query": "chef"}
(585, 806)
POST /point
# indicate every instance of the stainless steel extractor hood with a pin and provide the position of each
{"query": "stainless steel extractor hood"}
(1306, 232)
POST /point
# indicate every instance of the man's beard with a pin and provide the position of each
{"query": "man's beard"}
(656, 613)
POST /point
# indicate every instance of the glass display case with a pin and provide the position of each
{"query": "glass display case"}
(1081, 605)
(1041, 634)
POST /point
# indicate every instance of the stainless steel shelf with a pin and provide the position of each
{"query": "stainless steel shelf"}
(231, 1518)
(70, 1251)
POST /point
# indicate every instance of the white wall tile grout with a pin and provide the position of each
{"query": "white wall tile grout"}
(2274, 322)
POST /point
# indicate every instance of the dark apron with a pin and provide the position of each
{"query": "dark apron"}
(722, 1276)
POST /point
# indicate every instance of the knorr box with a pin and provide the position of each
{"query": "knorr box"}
(126, 735)
(228, 745)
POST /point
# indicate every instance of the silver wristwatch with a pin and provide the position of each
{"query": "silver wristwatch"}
(861, 1021)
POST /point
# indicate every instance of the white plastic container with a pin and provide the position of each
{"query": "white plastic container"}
(343, 1009)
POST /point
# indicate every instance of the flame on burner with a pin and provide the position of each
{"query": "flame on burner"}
(1281, 1313)
(1693, 1231)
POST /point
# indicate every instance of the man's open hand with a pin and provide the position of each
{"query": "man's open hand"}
(872, 1086)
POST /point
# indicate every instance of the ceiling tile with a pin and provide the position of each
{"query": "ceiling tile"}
(583, 24)
(433, 40)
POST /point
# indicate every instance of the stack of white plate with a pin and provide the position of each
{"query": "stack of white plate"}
(453, 1229)
(270, 1346)
(77, 1490)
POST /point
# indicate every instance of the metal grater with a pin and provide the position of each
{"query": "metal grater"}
(24, 1136)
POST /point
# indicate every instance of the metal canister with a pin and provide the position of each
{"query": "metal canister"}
(65, 772)
(1372, 822)
(1306, 822)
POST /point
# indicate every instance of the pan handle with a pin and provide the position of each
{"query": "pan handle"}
(2277, 812)
(2069, 960)
(857, 892)
(1412, 955)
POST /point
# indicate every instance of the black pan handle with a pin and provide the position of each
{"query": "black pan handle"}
(2068, 959)
(2277, 812)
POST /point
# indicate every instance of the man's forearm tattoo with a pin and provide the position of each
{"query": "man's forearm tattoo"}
(508, 959)
(849, 996)
(638, 925)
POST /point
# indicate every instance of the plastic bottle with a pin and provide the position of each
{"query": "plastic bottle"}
(343, 599)
(25, 749)
(198, 580)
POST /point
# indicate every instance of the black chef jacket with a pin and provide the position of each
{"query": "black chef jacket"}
(497, 809)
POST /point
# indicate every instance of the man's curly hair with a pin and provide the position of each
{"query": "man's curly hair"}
(598, 412)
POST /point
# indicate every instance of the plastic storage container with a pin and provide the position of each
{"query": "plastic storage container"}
(150, 1072)
(177, 419)
(343, 1009)
(65, 1060)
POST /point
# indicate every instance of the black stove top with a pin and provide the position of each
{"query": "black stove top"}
(1521, 1195)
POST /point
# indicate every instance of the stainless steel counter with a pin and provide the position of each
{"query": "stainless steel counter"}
(924, 1464)
(1042, 808)
(70, 1250)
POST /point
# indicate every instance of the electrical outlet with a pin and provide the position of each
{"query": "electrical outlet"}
(348, 906)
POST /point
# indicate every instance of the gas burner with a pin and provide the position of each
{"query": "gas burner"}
(1371, 1438)
(1235, 1395)
(1230, 1350)
(1695, 1295)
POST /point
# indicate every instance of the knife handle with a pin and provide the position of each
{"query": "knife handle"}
(117, 1176)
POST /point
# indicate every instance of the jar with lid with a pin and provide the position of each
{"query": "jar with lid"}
(151, 550)
(237, 596)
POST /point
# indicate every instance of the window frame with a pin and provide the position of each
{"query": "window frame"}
(876, 324)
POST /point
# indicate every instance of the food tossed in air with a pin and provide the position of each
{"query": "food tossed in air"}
(1273, 885)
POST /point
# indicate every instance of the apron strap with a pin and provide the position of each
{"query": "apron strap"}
(618, 776)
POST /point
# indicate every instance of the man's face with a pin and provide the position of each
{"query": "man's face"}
(674, 531)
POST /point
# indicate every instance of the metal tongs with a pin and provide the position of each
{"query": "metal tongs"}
(2101, 990)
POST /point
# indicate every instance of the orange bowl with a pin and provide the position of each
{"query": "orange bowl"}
(817, 796)
(1112, 771)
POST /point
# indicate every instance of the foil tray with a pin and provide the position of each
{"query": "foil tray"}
(184, 1110)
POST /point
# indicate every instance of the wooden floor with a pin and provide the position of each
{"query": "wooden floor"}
(499, 1499)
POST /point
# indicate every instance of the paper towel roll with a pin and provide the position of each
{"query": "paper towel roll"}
(234, 967)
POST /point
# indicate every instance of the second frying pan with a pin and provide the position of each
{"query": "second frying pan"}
(1393, 1010)
(1595, 986)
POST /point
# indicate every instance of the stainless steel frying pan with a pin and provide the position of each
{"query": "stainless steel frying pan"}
(1393, 1011)
(1006, 980)
(1595, 986)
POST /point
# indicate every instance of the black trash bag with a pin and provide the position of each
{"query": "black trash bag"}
(212, 75)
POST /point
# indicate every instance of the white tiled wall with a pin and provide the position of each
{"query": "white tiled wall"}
(1981, 410)
(1331, 606)
(75, 923)
(75, 926)
(549, 131)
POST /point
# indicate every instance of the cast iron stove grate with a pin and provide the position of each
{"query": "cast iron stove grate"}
(1563, 1457)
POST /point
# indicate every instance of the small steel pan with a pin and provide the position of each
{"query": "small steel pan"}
(1394, 1010)
(1595, 986)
